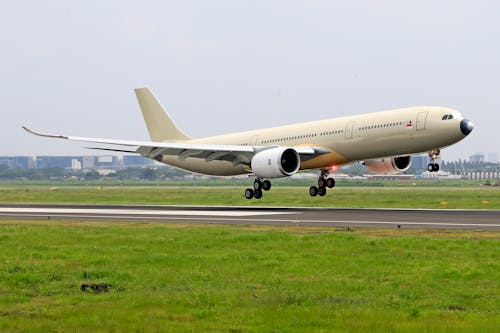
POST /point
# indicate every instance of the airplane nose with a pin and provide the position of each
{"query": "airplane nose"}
(466, 126)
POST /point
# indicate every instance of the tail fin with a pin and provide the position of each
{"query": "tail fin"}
(159, 124)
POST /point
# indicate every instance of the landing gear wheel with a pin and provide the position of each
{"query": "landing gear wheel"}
(433, 167)
(257, 185)
(257, 194)
(249, 193)
(322, 191)
(330, 183)
(266, 185)
(313, 191)
(321, 182)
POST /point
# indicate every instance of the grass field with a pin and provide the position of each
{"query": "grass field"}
(193, 278)
(463, 198)
(188, 278)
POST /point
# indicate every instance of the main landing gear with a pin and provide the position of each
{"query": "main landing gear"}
(433, 166)
(323, 183)
(258, 186)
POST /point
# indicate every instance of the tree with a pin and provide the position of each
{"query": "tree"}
(92, 175)
(149, 174)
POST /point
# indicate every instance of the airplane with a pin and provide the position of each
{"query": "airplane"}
(384, 141)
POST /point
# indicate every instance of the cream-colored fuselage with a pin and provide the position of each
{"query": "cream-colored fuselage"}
(349, 139)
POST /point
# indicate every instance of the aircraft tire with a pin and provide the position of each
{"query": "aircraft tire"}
(322, 191)
(313, 191)
(249, 193)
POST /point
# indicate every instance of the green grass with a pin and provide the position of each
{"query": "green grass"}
(179, 278)
(338, 197)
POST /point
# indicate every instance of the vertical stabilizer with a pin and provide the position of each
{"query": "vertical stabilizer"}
(159, 124)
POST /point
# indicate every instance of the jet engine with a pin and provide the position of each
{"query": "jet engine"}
(275, 162)
(388, 165)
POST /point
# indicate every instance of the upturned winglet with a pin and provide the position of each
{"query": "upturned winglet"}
(44, 135)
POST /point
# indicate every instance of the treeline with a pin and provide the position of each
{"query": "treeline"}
(7, 173)
(469, 166)
(163, 173)
(169, 173)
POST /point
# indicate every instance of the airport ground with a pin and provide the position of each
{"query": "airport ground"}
(189, 277)
(194, 278)
(388, 196)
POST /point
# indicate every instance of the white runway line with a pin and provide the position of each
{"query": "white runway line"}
(226, 220)
(138, 212)
(219, 216)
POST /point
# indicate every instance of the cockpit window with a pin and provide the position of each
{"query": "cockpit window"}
(450, 116)
(444, 117)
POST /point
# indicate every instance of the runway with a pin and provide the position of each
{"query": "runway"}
(327, 217)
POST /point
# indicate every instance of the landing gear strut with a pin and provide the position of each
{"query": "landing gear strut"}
(433, 166)
(323, 183)
(258, 186)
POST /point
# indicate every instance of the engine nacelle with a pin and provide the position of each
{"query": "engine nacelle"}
(276, 162)
(388, 165)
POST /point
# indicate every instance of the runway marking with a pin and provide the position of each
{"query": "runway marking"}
(245, 216)
(137, 212)
(227, 220)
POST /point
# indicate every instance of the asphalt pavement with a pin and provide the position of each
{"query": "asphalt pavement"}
(326, 217)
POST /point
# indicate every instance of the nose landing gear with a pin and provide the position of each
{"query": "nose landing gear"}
(323, 183)
(433, 166)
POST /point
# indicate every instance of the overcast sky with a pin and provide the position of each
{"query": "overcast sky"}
(222, 66)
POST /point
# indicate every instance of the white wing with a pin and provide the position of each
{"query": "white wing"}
(210, 152)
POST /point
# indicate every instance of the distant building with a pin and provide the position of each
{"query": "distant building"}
(477, 158)
(108, 162)
(64, 162)
(136, 161)
(396, 177)
(72, 162)
(481, 175)
(442, 175)
(76, 164)
(21, 162)
(88, 162)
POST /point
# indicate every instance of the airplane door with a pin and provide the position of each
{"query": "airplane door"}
(253, 140)
(421, 120)
(348, 130)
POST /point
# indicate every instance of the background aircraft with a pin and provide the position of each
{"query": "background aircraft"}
(384, 140)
